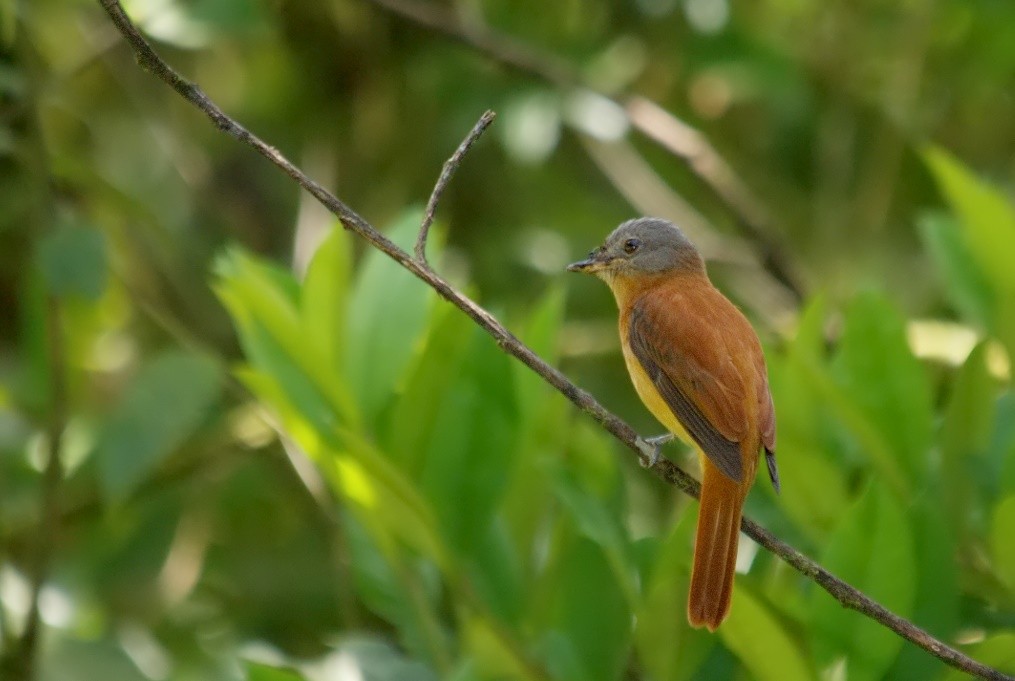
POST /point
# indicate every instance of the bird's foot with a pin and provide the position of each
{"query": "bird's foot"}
(650, 447)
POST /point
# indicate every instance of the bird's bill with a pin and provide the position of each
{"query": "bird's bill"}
(589, 265)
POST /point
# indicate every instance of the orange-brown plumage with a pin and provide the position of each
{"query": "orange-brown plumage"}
(697, 365)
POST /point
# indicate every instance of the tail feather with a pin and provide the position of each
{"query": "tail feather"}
(715, 549)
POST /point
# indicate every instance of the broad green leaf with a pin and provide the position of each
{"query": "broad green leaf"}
(661, 616)
(590, 612)
(988, 219)
(470, 454)
(163, 405)
(758, 638)
(598, 522)
(380, 586)
(494, 658)
(884, 381)
(542, 334)
(257, 671)
(936, 604)
(73, 262)
(813, 481)
(872, 549)
(437, 370)
(496, 574)
(324, 299)
(386, 321)
(263, 302)
(965, 434)
(1002, 532)
(964, 281)
(986, 214)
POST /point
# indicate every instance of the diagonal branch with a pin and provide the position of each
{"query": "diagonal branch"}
(843, 592)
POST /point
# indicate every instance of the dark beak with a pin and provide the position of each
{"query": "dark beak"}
(594, 263)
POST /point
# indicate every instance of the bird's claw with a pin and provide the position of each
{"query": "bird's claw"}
(651, 448)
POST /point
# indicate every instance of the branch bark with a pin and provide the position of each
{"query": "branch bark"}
(843, 592)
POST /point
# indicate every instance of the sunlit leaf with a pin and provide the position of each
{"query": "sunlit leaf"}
(257, 671)
(386, 319)
(324, 298)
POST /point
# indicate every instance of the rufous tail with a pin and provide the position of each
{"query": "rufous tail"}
(715, 548)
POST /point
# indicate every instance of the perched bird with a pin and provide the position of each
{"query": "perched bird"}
(697, 365)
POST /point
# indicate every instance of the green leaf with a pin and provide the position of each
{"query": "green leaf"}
(661, 614)
(988, 220)
(164, 404)
(757, 637)
(73, 262)
(598, 522)
(437, 371)
(469, 457)
(965, 434)
(1002, 530)
(493, 657)
(872, 549)
(542, 334)
(386, 321)
(263, 302)
(324, 299)
(885, 382)
(986, 214)
(257, 671)
(591, 613)
(936, 604)
(964, 281)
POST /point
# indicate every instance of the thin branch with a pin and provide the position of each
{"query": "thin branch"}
(846, 594)
(676, 136)
(447, 172)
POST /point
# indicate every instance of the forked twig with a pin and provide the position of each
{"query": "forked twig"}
(447, 172)
(846, 594)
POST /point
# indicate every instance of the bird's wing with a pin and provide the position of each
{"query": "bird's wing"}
(689, 356)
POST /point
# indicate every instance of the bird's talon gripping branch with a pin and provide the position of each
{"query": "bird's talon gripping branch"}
(652, 447)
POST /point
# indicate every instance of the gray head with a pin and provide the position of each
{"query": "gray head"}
(642, 246)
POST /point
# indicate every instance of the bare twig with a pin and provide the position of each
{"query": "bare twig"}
(846, 594)
(447, 172)
(679, 138)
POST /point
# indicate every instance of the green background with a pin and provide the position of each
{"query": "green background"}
(285, 458)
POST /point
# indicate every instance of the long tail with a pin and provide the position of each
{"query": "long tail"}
(715, 548)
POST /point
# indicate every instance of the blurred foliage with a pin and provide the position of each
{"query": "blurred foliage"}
(285, 458)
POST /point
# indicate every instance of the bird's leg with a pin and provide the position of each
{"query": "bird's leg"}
(652, 446)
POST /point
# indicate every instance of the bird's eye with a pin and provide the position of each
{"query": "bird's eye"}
(631, 245)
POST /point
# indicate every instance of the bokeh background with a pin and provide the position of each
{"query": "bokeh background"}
(235, 443)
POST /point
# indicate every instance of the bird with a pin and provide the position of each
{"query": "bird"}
(697, 365)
